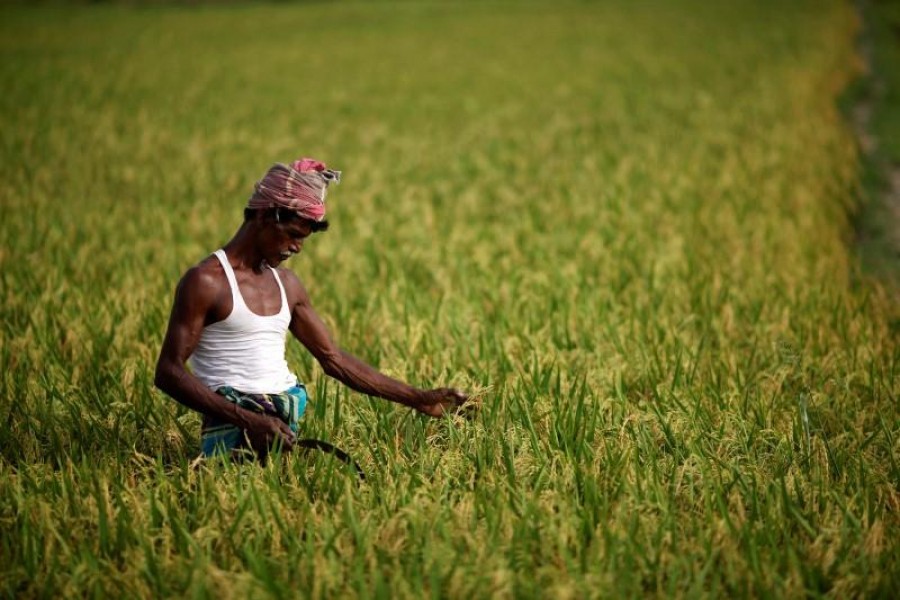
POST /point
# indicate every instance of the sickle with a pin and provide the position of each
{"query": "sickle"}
(327, 448)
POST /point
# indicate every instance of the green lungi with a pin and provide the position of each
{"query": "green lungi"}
(219, 438)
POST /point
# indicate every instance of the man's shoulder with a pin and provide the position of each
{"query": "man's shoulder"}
(293, 287)
(287, 275)
(207, 276)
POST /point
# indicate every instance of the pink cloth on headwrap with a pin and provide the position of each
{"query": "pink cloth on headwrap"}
(308, 164)
(300, 187)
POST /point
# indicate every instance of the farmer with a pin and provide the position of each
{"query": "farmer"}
(231, 315)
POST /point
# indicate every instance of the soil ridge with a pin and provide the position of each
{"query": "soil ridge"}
(878, 224)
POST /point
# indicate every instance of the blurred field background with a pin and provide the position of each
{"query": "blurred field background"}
(627, 226)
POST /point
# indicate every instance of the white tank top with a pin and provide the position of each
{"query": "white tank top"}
(245, 350)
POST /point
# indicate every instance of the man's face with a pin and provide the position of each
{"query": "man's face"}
(282, 240)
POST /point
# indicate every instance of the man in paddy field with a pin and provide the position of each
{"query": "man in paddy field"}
(230, 320)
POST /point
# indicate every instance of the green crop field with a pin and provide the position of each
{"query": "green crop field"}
(624, 226)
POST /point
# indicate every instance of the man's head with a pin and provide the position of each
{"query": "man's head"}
(288, 205)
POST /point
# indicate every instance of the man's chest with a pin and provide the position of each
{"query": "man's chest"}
(259, 293)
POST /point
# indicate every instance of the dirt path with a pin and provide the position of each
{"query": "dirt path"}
(885, 205)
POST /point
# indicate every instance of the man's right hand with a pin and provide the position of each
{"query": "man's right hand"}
(267, 431)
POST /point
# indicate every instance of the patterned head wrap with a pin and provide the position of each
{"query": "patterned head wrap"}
(299, 187)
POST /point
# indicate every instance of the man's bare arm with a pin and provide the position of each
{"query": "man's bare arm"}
(308, 328)
(194, 298)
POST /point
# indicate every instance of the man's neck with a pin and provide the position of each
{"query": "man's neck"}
(242, 250)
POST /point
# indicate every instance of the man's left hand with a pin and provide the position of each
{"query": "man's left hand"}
(441, 401)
